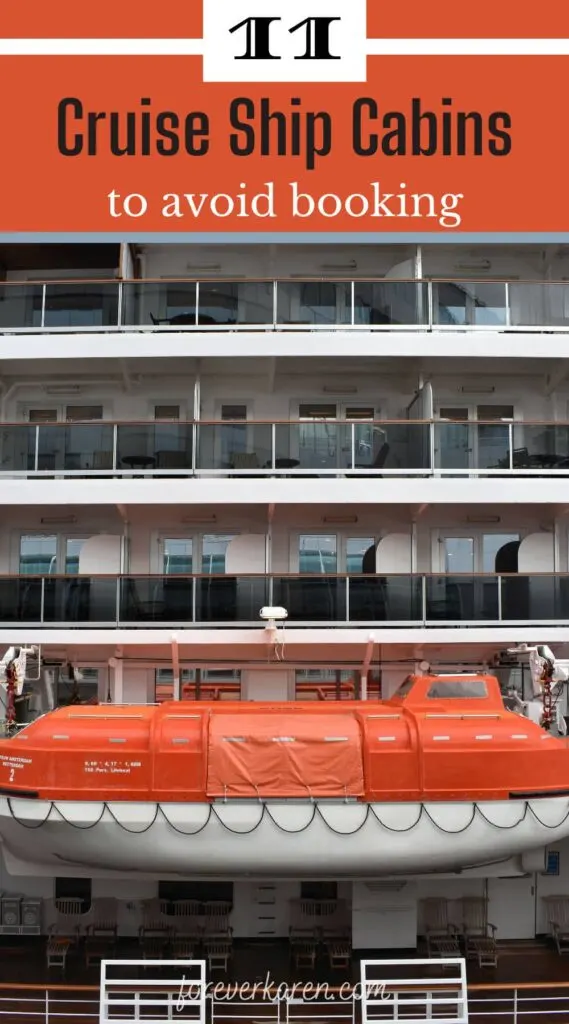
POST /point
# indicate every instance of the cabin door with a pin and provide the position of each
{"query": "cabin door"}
(512, 906)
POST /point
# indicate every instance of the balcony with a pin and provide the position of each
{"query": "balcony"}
(406, 448)
(323, 600)
(293, 305)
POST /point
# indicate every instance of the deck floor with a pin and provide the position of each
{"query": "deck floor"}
(23, 961)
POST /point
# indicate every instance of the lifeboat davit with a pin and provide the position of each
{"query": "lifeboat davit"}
(439, 778)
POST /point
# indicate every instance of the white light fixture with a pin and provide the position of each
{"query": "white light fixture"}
(203, 266)
(352, 265)
(54, 520)
(477, 389)
(199, 519)
(339, 519)
(474, 265)
(483, 519)
(348, 389)
(270, 614)
(63, 389)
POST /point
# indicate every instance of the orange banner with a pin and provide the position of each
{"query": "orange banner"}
(441, 144)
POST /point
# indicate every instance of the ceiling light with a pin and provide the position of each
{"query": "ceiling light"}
(199, 519)
(483, 519)
(339, 519)
(58, 519)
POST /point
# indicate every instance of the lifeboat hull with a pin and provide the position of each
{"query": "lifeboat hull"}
(271, 839)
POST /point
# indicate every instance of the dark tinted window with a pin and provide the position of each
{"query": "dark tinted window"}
(465, 689)
(74, 889)
(203, 892)
(319, 890)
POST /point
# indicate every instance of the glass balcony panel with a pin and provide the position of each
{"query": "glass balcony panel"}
(75, 599)
(238, 445)
(386, 303)
(82, 305)
(314, 302)
(332, 444)
(156, 599)
(230, 598)
(539, 304)
(535, 598)
(155, 445)
(17, 447)
(74, 446)
(386, 599)
(311, 598)
(462, 599)
(239, 302)
(541, 446)
(20, 306)
(20, 599)
(470, 303)
(159, 303)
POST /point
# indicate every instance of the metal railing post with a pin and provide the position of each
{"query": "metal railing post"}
(424, 599)
(430, 304)
(194, 598)
(118, 600)
(511, 445)
(515, 1006)
(47, 1006)
(42, 600)
(43, 299)
(432, 448)
(120, 305)
(115, 445)
(499, 580)
(273, 445)
(275, 304)
(347, 598)
(37, 450)
(353, 445)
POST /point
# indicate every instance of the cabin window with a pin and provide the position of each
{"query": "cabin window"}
(202, 892)
(467, 689)
(319, 890)
(74, 889)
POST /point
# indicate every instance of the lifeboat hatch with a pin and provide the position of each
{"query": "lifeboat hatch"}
(284, 756)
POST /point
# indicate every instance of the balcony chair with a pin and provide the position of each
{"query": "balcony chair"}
(379, 460)
(304, 944)
(479, 935)
(57, 949)
(70, 918)
(218, 947)
(101, 932)
(338, 946)
(244, 460)
(173, 459)
(186, 919)
(216, 917)
(558, 919)
(442, 936)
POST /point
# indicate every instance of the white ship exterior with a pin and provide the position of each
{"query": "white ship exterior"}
(372, 438)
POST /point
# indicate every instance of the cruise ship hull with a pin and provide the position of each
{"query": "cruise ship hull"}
(272, 839)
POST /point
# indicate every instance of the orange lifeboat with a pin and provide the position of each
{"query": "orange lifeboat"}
(441, 747)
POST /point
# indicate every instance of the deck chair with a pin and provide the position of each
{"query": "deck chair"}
(558, 918)
(479, 934)
(443, 937)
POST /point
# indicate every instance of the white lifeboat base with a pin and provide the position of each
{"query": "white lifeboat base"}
(272, 839)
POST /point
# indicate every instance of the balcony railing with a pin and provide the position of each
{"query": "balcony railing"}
(299, 448)
(332, 600)
(283, 305)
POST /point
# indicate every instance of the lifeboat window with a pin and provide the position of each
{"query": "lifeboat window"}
(459, 689)
(405, 687)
